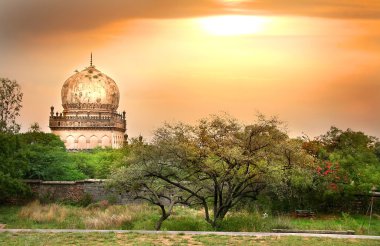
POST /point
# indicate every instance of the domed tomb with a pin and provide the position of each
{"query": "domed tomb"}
(89, 118)
(90, 89)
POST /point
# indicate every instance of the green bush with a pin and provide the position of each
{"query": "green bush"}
(97, 163)
(47, 158)
(13, 165)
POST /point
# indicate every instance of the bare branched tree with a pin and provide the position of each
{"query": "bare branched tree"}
(10, 105)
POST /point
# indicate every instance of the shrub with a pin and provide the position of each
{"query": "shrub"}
(85, 200)
(12, 167)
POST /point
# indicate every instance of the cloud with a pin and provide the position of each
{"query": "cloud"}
(18, 17)
(369, 9)
(25, 17)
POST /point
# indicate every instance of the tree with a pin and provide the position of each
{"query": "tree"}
(10, 105)
(355, 152)
(348, 166)
(13, 165)
(47, 158)
(377, 150)
(137, 184)
(288, 193)
(219, 162)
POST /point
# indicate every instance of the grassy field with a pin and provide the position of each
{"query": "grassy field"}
(162, 239)
(143, 217)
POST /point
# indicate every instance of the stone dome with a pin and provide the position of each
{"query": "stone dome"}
(90, 89)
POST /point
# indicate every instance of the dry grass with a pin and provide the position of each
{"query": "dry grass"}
(97, 216)
(44, 213)
(102, 215)
(113, 216)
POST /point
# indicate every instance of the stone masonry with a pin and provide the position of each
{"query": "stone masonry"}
(76, 191)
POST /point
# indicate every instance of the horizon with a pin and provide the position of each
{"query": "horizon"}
(314, 65)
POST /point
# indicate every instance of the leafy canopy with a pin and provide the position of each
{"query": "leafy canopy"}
(218, 162)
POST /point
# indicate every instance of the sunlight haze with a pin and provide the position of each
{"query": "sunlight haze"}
(313, 65)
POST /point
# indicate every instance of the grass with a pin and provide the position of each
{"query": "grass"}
(144, 217)
(163, 239)
(47, 213)
(244, 221)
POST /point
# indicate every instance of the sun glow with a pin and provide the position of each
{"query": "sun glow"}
(230, 25)
(234, 1)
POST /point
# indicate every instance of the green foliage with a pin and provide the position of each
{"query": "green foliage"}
(47, 158)
(135, 181)
(348, 166)
(97, 163)
(13, 165)
(377, 150)
(218, 162)
(38, 155)
(359, 166)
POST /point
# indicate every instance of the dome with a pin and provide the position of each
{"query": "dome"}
(90, 89)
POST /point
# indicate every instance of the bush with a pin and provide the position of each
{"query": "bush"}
(97, 163)
(47, 158)
(12, 168)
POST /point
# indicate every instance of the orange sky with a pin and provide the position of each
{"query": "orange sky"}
(312, 63)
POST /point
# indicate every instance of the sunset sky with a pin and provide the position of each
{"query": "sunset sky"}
(314, 64)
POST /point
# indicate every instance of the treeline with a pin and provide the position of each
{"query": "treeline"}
(219, 164)
(38, 155)
(346, 168)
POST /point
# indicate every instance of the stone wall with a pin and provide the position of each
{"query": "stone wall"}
(75, 191)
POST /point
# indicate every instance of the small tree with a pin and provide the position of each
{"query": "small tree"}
(347, 166)
(218, 162)
(10, 105)
(135, 181)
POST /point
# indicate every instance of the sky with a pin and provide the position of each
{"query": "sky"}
(314, 64)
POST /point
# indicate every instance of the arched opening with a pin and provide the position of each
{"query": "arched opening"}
(70, 142)
(106, 142)
(82, 142)
(93, 142)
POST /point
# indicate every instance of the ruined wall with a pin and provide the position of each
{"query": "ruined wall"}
(76, 191)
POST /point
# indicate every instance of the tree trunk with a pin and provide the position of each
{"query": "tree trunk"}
(159, 222)
(219, 216)
(164, 214)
